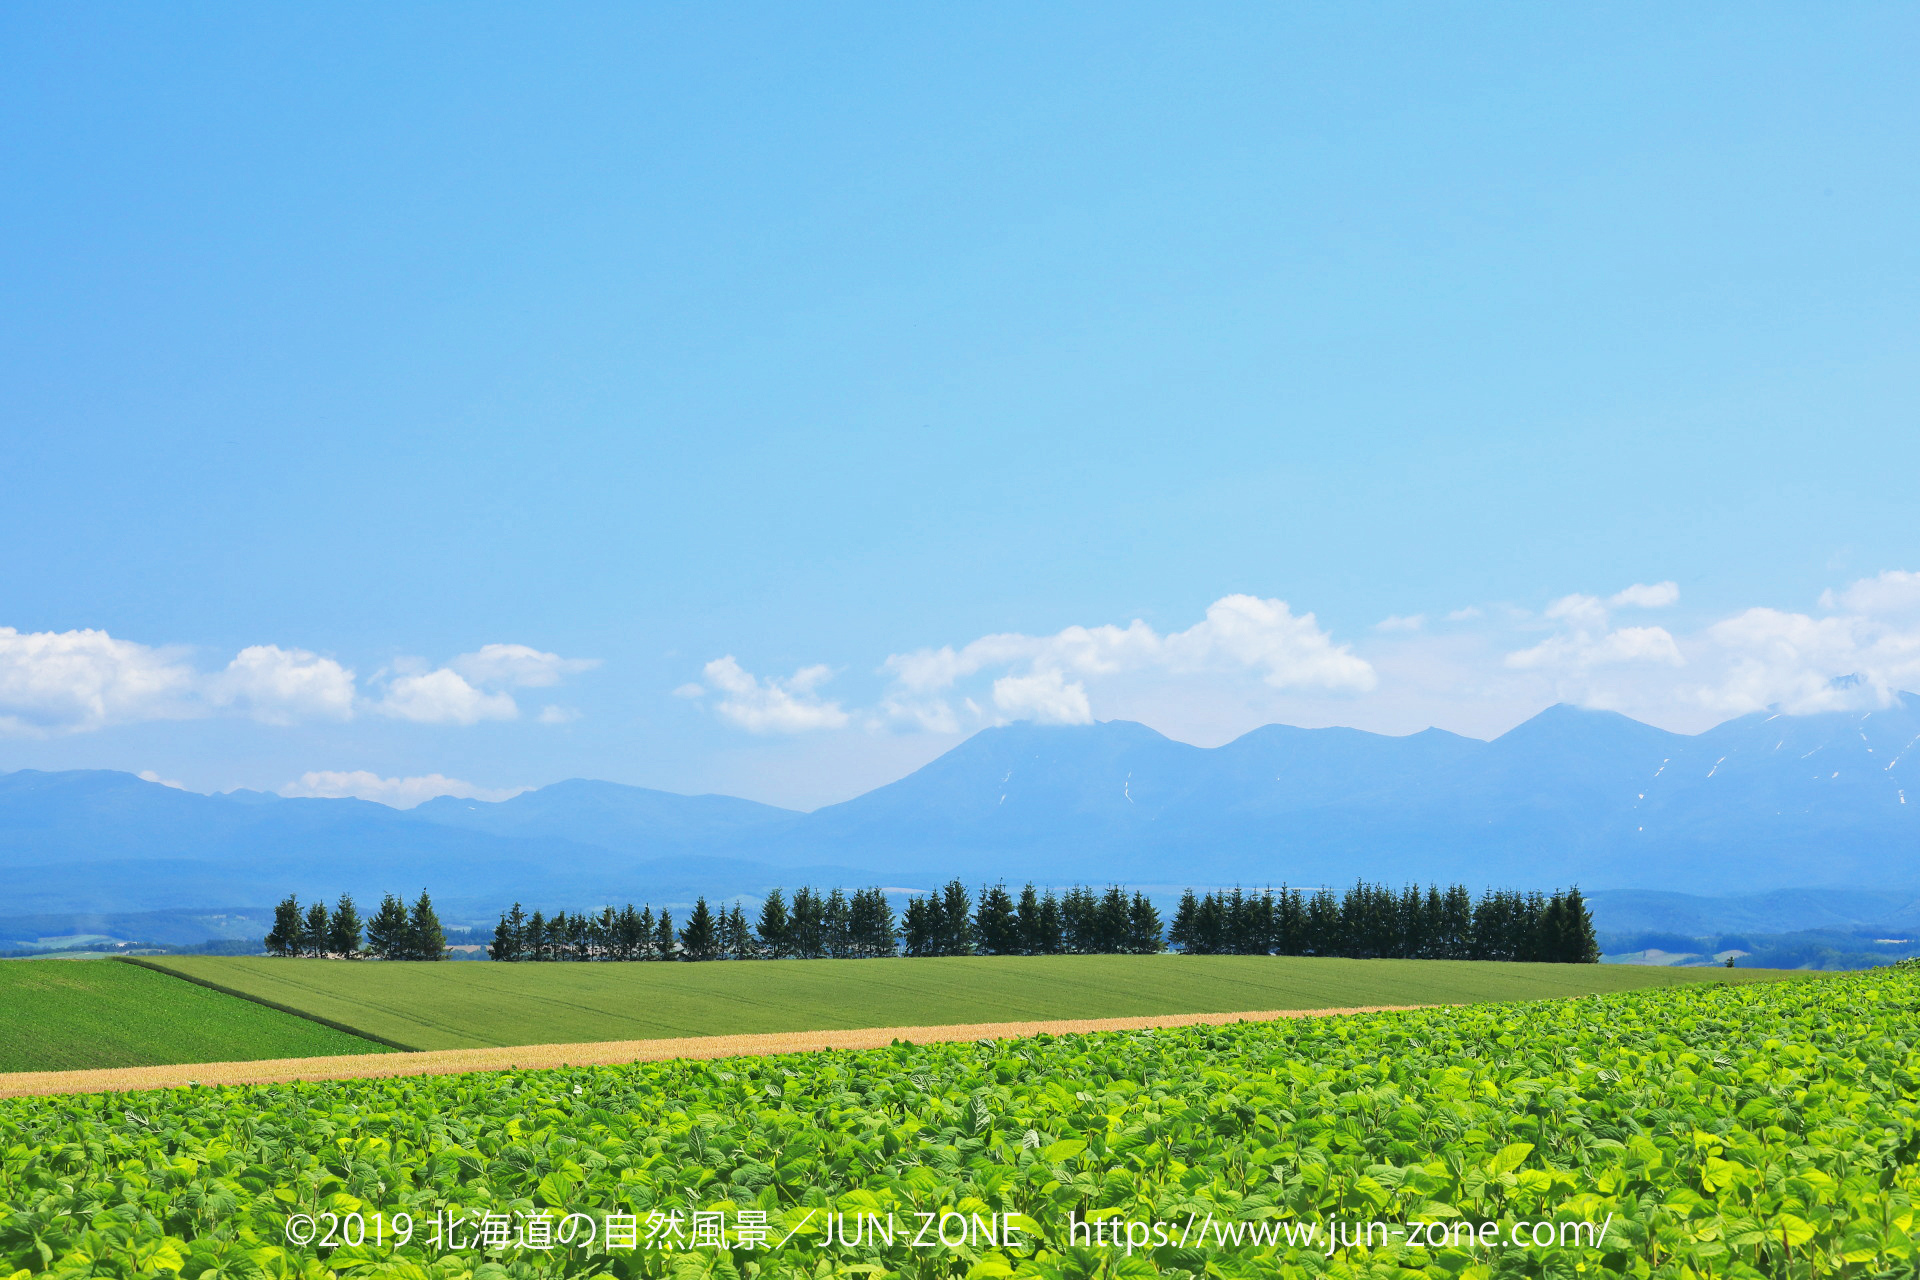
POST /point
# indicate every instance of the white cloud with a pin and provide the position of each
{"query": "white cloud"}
(1768, 657)
(1642, 596)
(1583, 648)
(1239, 634)
(1046, 677)
(773, 705)
(148, 775)
(1891, 593)
(1586, 640)
(1397, 622)
(443, 697)
(1865, 648)
(929, 715)
(401, 793)
(1045, 696)
(282, 686)
(518, 666)
(551, 714)
(1578, 610)
(1467, 614)
(75, 681)
(472, 687)
(71, 681)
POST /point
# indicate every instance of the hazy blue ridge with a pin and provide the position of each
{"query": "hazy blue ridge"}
(1760, 804)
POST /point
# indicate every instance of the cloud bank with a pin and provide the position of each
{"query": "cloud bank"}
(63, 682)
(1477, 668)
(770, 705)
(1051, 678)
(1862, 649)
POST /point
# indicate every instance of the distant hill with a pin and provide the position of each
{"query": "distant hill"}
(1761, 803)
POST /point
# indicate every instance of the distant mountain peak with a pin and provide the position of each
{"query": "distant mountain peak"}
(1566, 721)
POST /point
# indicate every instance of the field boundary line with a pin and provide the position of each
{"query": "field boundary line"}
(377, 1066)
(223, 989)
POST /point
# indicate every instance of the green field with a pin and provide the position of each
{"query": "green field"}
(458, 1006)
(58, 1015)
(1716, 1132)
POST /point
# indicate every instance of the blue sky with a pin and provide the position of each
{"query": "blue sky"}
(337, 346)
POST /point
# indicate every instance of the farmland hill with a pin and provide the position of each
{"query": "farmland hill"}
(1762, 803)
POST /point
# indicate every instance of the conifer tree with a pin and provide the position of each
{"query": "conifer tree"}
(627, 943)
(1547, 935)
(1289, 923)
(835, 922)
(387, 930)
(807, 924)
(510, 935)
(956, 920)
(1026, 917)
(1578, 945)
(425, 939)
(284, 938)
(774, 927)
(1079, 921)
(1180, 932)
(698, 938)
(1052, 927)
(343, 931)
(313, 931)
(917, 927)
(663, 936)
(933, 919)
(1111, 922)
(1143, 927)
(738, 937)
(996, 925)
(870, 924)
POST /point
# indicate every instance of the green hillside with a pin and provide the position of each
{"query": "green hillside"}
(453, 1006)
(62, 1015)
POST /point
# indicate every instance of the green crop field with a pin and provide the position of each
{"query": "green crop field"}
(455, 1006)
(63, 1014)
(1766, 1131)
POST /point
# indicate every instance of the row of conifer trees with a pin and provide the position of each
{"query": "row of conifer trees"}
(1078, 921)
(1371, 920)
(842, 926)
(394, 932)
(1366, 921)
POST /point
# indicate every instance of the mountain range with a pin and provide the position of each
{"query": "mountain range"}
(1765, 802)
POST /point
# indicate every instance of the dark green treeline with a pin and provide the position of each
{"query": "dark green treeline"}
(1371, 921)
(836, 925)
(1366, 921)
(394, 932)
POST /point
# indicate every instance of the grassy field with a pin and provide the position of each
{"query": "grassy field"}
(58, 1015)
(456, 1006)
